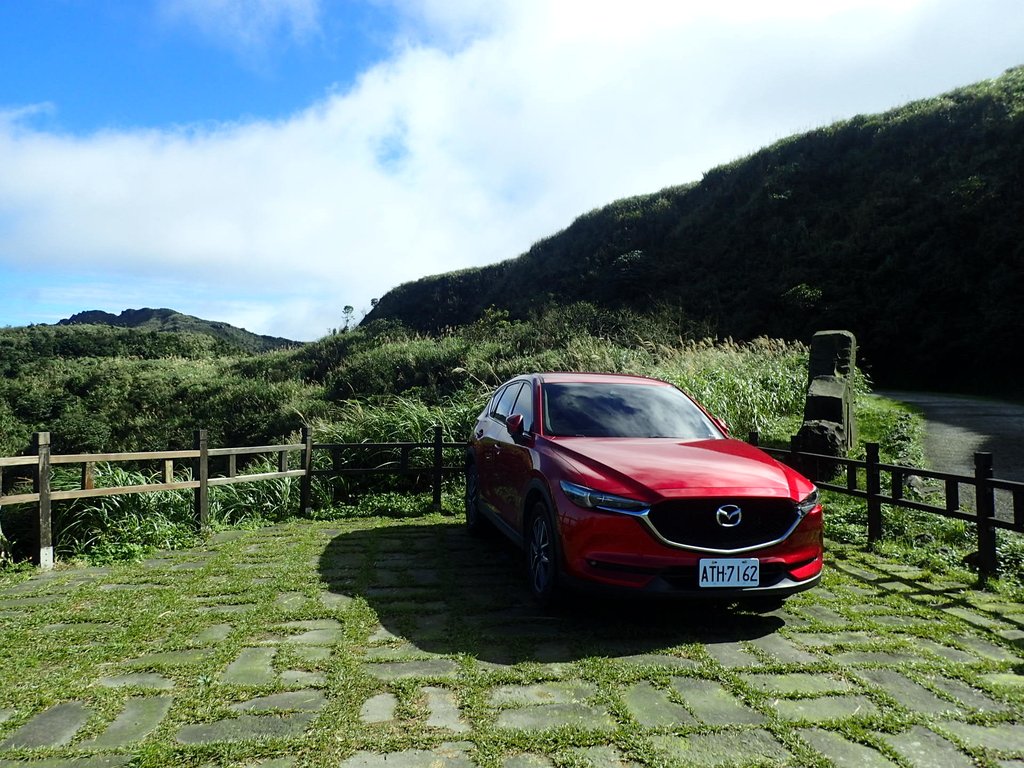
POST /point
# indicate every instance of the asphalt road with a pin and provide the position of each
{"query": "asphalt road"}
(956, 427)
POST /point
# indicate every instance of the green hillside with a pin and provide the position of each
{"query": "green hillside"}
(906, 228)
(167, 320)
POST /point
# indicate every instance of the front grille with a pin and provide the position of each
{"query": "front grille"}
(693, 523)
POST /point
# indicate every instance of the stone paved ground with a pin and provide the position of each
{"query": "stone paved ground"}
(407, 644)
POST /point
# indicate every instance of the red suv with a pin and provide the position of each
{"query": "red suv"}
(625, 482)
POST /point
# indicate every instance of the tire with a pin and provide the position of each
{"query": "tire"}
(542, 555)
(475, 522)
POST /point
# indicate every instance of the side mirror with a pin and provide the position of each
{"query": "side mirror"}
(514, 425)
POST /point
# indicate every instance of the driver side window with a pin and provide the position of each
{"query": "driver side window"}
(524, 406)
(505, 401)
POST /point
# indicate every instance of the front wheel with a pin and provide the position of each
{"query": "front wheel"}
(542, 554)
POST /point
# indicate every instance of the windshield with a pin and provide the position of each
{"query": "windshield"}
(623, 410)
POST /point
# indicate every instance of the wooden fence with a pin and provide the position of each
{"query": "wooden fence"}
(41, 462)
(879, 483)
(869, 479)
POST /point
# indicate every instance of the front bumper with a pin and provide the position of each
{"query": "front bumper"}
(618, 553)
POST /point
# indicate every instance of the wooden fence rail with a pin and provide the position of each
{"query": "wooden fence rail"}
(865, 479)
(198, 460)
(870, 479)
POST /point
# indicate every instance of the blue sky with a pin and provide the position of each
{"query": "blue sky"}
(267, 162)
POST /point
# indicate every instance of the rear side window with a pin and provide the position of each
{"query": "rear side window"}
(506, 400)
(524, 407)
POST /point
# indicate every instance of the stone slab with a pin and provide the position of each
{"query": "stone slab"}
(923, 748)
(28, 602)
(170, 658)
(824, 708)
(798, 683)
(907, 692)
(527, 761)
(212, 635)
(139, 718)
(96, 761)
(823, 614)
(379, 708)
(300, 678)
(137, 680)
(403, 670)
(544, 716)
(53, 727)
(658, 660)
(844, 753)
(290, 601)
(304, 700)
(444, 710)
(943, 651)
(965, 695)
(252, 666)
(322, 637)
(1007, 738)
(783, 650)
(311, 654)
(246, 727)
(1004, 680)
(974, 618)
(726, 748)
(987, 650)
(731, 655)
(832, 639)
(542, 693)
(601, 757)
(335, 601)
(653, 708)
(443, 756)
(891, 658)
(713, 704)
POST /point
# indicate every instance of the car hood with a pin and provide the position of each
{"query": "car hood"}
(670, 468)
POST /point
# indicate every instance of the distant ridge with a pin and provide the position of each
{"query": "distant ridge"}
(170, 321)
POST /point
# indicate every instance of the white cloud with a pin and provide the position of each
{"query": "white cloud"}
(467, 151)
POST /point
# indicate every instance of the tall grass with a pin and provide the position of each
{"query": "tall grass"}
(125, 526)
(396, 386)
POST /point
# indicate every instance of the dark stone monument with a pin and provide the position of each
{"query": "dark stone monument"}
(828, 426)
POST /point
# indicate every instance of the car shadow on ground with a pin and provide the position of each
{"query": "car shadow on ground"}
(439, 590)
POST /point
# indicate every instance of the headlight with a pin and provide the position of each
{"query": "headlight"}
(809, 503)
(591, 499)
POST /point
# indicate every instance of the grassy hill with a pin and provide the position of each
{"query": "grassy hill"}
(167, 320)
(905, 227)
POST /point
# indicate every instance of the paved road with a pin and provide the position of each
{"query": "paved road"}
(958, 426)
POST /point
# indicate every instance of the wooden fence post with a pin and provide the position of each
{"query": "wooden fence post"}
(336, 481)
(986, 506)
(306, 486)
(202, 474)
(874, 491)
(41, 485)
(438, 466)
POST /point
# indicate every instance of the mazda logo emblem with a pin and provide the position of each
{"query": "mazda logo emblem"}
(729, 516)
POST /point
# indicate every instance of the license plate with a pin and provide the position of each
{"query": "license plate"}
(730, 572)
